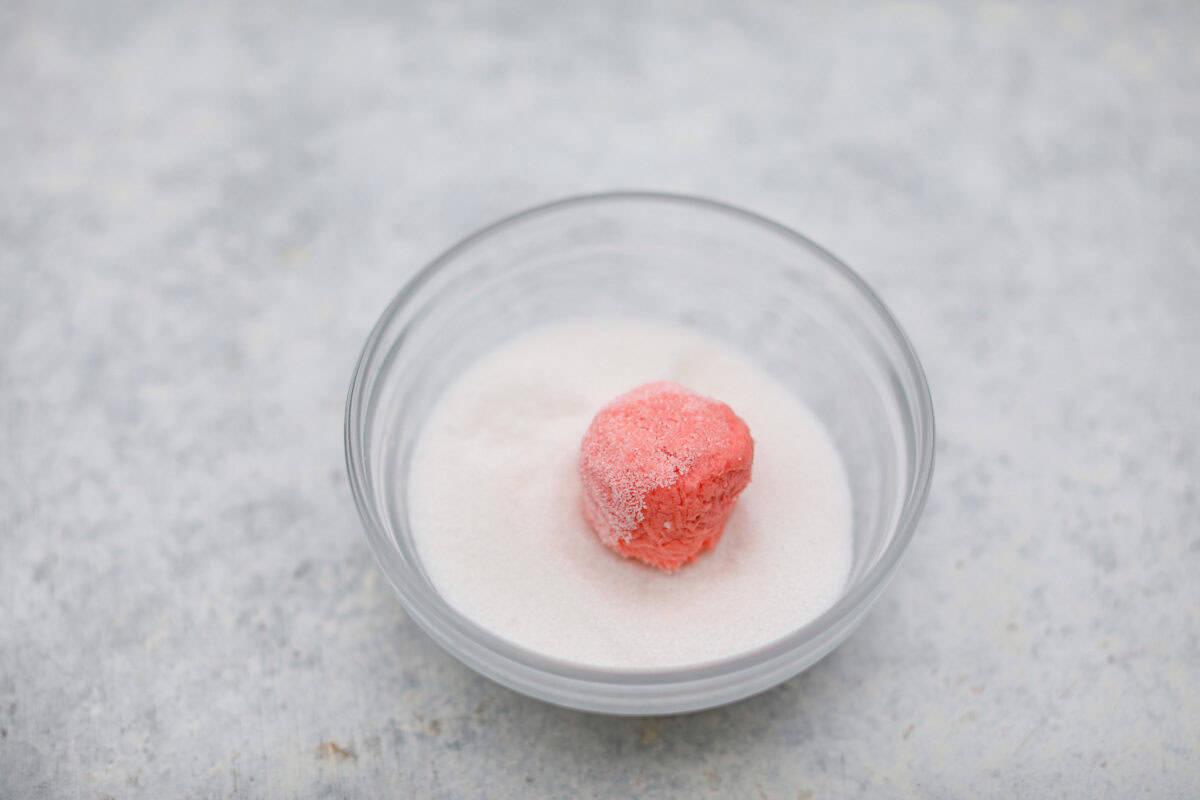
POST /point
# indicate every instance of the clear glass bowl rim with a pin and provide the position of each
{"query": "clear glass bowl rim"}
(525, 670)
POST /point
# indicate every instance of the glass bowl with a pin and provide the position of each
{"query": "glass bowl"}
(766, 290)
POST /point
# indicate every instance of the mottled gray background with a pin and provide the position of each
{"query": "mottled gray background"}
(204, 206)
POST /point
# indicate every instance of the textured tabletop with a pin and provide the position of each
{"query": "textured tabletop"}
(204, 207)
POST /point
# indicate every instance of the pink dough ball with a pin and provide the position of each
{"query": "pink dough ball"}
(662, 468)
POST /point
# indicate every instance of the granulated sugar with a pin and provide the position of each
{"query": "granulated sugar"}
(495, 504)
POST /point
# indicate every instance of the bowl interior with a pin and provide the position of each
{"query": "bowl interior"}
(773, 295)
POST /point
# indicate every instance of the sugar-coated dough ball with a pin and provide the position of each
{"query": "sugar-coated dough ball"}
(662, 468)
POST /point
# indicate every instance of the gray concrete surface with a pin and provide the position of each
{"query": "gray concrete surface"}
(204, 206)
